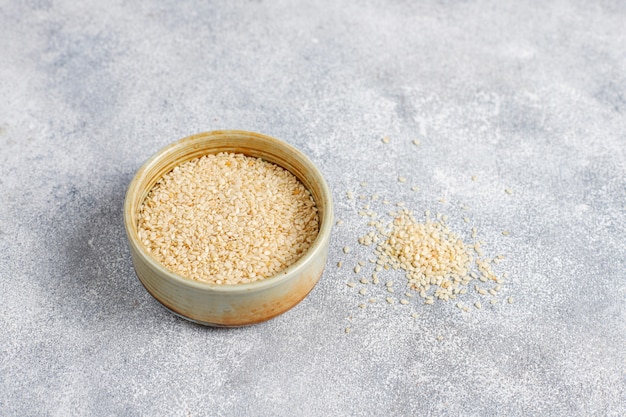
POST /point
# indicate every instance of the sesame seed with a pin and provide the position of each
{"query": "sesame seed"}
(350, 195)
(389, 283)
(415, 188)
(415, 315)
(361, 263)
(429, 301)
(364, 281)
(389, 289)
(339, 222)
(416, 142)
(510, 300)
(408, 294)
(357, 269)
(348, 330)
(505, 233)
(478, 305)
(508, 191)
(404, 301)
(372, 300)
(385, 139)
(442, 200)
(362, 305)
(346, 249)
(466, 219)
(196, 219)
(401, 179)
(474, 177)
(363, 291)
(339, 264)
(390, 300)
(375, 197)
(494, 301)
(351, 284)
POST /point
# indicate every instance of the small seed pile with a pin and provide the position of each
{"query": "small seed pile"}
(228, 219)
(437, 263)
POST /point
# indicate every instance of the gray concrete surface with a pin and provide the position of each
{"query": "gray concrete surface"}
(525, 95)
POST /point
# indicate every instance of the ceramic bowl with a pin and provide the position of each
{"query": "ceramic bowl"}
(240, 304)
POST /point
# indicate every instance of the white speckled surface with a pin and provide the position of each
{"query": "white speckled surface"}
(529, 96)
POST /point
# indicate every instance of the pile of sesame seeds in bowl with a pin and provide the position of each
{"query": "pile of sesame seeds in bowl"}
(228, 218)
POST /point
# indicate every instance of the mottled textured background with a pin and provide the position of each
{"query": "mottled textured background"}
(525, 95)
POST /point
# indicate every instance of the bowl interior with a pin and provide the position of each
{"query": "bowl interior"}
(248, 143)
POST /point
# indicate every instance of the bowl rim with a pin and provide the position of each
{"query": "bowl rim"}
(294, 269)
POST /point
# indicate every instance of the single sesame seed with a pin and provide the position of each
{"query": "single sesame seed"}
(348, 330)
(429, 301)
(510, 300)
(401, 179)
(415, 188)
(346, 249)
(415, 315)
(440, 338)
(508, 191)
(404, 301)
(416, 142)
(375, 197)
(442, 200)
(350, 195)
(339, 264)
(478, 305)
(494, 301)
(505, 233)
(351, 284)
(385, 139)
(390, 300)
(389, 289)
(364, 281)
(466, 219)
(408, 294)
(357, 269)
(339, 222)
(372, 300)
(389, 283)
(493, 292)
(474, 177)
(363, 291)
(361, 305)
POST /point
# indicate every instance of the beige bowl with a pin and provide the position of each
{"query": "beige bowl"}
(229, 305)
